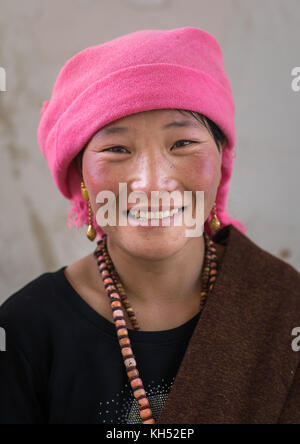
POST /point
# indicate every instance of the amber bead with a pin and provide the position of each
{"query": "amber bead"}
(138, 393)
(122, 332)
(145, 413)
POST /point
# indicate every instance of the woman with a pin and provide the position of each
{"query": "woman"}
(154, 326)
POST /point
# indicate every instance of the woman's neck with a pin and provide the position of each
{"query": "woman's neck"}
(174, 281)
(153, 314)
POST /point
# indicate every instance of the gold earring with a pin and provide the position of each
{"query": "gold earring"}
(91, 232)
(214, 223)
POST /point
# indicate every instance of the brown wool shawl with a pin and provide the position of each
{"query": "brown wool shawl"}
(239, 366)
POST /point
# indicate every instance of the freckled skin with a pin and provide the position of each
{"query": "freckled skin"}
(150, 161)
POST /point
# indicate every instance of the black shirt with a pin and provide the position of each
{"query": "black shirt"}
(63, 363)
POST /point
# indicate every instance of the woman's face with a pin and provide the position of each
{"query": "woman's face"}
(148, 157)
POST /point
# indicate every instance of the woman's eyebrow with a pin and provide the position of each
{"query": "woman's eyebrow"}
(125, 129)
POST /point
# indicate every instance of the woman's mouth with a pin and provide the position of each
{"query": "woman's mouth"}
(153, 215)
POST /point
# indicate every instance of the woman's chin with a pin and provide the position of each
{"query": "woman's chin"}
(154, 244)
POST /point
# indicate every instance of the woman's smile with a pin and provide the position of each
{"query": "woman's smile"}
(161, 218)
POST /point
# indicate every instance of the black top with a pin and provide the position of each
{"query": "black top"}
(63, 363)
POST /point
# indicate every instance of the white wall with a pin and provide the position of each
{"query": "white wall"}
(260, 42)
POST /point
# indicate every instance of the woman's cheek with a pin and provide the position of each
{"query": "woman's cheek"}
(203, 173)
(99, 177)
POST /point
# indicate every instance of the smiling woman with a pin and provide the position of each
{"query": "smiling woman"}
(152, 326)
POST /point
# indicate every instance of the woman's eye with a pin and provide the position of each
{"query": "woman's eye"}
(115, 147)
(181, 141)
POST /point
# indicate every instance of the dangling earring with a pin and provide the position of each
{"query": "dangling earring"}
(214, 223)
(91, 232)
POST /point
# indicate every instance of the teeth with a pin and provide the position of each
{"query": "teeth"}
(153, 215)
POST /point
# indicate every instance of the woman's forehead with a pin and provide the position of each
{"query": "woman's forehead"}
(165, 119)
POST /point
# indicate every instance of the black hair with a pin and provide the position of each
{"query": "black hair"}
(218, 135)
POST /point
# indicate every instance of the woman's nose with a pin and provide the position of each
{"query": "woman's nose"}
(153, 175)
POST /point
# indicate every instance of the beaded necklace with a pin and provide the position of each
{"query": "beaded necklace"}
(119, 301)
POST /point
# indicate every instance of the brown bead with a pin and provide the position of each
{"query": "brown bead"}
(125, 341)
(133, 373)
(144, 402)
(138, 393)
(136, 383)
(122, 332)
(126, 351)
(111, 287)
(213, 272)
(145, 414)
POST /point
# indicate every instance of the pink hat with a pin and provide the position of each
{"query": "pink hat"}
(149, 69)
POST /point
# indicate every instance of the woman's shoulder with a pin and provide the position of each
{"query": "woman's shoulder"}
(268, 261)
(35, 291)
(260, 273)
(32, 308)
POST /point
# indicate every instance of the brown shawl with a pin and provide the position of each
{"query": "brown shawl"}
(239, 366)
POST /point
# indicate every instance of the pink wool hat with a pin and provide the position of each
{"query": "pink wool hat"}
(149, 69)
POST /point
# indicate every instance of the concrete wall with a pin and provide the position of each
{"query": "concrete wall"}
(260, 41)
